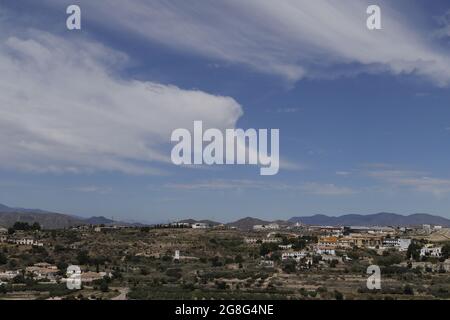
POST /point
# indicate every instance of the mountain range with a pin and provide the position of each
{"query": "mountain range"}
(47, 219)
(379, 219)
(52, 220)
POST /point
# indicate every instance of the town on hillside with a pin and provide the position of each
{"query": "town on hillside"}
(206, 260)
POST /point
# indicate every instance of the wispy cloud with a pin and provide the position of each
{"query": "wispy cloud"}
(326, 189)
(285, 110)
(93, 189)
(415, 180)
(343, 173)
(290, 38)
(313, 188)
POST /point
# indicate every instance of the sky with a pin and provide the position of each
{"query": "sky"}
(86, 115)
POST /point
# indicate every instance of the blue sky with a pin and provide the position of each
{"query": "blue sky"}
(86, 116)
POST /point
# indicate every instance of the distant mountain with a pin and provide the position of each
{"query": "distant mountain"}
(46, 220)
(247, 223)
(378, 219)
(49, 220)
(98, 220)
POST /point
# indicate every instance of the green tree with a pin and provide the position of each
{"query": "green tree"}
(414, 251)
(267, 248)
(446, 251)
(3, 258)
(408, 290)
(289, 266)
(338, 295)
(83, 257)
(238, 259)
(104, 287)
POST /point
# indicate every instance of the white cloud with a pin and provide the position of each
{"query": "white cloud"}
(415, 180)
(63, 108)
(314, 188)
(343, 173)
(326, 189)
(290, 38)
(93, 189)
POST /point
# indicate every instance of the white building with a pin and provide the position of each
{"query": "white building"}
(272, 226)
(9, 275)
(199, 225)
(267, 263)
(426, 228)
(264, 240)
(326, 251)
(400, 244)
(295, 255)
(430, 251)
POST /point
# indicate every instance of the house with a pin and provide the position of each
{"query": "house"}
(43, 270)
(26, 242)
(250, 240)
(285, 246)
(9, 274)
(264, 240)
(345, 242)
(366, 240)
(327, 242)
(398, 243)
(329, 258)
(105, 228)
(199, 225)
(267, 263)
(180, 225)
(271, 226)
(295, 255)
(328, 230)
(3, 230)
(431, 251)
(325, 251)
(426, 228)
(89, 277)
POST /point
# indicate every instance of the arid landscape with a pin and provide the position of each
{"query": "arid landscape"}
(201, 261)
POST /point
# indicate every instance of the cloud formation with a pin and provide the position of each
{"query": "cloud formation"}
(293, 39)
(63, 108)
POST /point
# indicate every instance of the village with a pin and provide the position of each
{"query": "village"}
(197, 260)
